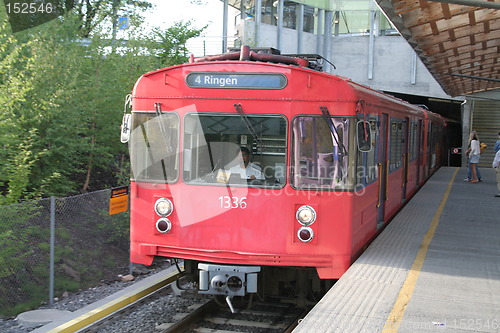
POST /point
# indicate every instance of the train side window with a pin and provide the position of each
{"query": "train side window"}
(413, 144)
(363, 134)
(367, 168)
(320, 153)
(396, 144)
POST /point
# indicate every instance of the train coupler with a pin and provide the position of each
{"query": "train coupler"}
(227, 280)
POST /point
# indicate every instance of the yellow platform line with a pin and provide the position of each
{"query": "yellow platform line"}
(396, 316)
(114, 305)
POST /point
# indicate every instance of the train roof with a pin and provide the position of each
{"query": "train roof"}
(311, 63)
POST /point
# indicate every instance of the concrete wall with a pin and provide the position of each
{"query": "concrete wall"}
(394, 61)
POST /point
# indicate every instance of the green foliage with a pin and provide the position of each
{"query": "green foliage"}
(172, 42)
(20, 258)
(15, 246)
(96, 13)
(61, 104)
(90, 245)
(61, 97)
(115, 227)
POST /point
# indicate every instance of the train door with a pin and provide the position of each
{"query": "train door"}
(383, 166)
(405, 158)
(419, 149)
(428, 161)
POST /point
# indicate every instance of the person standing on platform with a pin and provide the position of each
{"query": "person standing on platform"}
(496, 164)
(474, 155)
(469, 169)
(497, 144)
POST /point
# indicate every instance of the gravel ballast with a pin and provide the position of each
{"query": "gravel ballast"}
(144, 318)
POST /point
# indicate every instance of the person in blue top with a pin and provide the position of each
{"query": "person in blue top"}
(497, 144)
(496, 165)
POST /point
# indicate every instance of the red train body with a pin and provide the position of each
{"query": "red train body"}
(335, 161)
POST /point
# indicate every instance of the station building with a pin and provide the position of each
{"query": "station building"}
(360, 41)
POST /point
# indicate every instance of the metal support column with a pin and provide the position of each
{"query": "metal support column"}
(319, 30)
(224, 26)
(300, 27)
(327, 38)
(281, 10)
(466, 109)
(52, 244)
(258, 22)
(371, 44)
(413, 74)
(336, 23)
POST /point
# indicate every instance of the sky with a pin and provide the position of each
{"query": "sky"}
(208, 12)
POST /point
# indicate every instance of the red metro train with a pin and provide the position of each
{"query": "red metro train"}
(256, 162)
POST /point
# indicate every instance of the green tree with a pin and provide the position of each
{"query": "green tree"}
(172, 41)
(97, 13)
(61, 101)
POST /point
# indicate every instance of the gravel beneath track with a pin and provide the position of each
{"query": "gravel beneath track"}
(144, 318)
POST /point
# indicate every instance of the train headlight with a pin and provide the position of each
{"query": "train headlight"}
(305, 234)
(164, 207)
(163, 225)
(306, 215)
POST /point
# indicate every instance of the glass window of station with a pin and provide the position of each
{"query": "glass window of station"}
(351, 17)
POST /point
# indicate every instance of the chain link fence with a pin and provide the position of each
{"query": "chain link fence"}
(55, 245)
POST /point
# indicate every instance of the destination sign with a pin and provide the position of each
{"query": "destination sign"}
(236, 80)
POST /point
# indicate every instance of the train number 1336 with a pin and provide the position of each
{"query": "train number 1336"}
(232, 202)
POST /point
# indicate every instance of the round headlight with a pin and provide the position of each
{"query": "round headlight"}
(306, 215)
(305, 234)
(164, 207)
(163, 225)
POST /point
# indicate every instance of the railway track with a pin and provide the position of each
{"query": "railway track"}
(187, 313)
(217, 318)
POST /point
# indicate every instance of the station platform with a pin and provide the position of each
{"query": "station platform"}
(435, 267)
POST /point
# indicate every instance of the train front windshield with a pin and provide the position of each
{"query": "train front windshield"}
(240, 150)
(154, 147)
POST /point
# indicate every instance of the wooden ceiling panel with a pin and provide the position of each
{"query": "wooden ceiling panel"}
(453, 35)
(457, 42)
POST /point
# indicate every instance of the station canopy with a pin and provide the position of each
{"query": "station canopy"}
(457, 40)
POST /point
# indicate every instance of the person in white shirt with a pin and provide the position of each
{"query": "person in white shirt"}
(245, 169)
(496, 165)
(474, 155)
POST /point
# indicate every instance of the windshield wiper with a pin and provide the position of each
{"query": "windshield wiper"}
(159, 114)
(333, 129)
(336, 137)
(248, 125)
